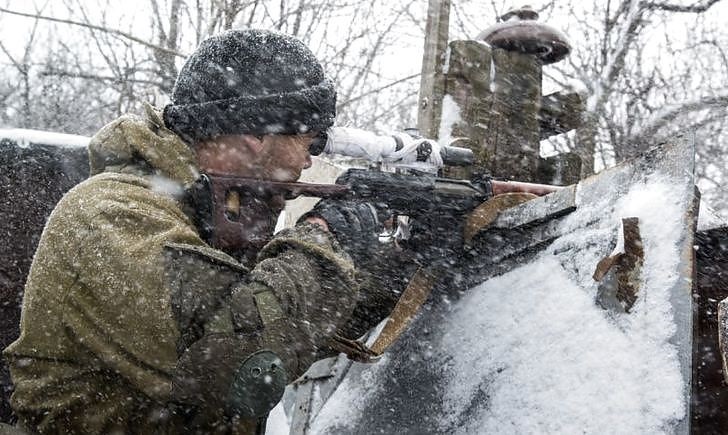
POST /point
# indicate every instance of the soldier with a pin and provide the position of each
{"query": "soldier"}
(132, 320)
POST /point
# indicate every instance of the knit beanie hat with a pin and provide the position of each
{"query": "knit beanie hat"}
(250, 82)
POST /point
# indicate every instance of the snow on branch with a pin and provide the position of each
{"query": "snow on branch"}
(615, 63)
(695, 8)
(670, 112)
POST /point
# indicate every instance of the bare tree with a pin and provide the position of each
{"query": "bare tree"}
(638, 85)
(24, 67)
(651, 70)
(648, 69)
(356, 42)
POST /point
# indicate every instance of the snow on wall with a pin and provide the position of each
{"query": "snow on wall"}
(25, 137)
(555, 362)
(530, 352)
(450, 116)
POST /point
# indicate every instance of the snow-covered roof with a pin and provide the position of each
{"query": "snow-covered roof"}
(24, 138)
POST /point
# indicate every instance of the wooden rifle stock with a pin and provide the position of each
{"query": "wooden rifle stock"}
(498, 187)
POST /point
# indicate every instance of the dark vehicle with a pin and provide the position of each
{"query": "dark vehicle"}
(36, 169)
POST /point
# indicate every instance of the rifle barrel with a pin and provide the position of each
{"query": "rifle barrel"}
(456, 156)
(499, 187)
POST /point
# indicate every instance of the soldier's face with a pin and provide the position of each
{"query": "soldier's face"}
(283, 157)
(270, 157)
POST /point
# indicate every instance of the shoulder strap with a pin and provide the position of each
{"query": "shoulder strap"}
(416, 293)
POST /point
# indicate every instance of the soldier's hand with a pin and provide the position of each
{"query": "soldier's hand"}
(356, 225)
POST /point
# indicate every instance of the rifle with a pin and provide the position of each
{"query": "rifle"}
(442, 214)
(436, 203)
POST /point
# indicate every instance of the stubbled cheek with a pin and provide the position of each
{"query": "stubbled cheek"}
(285, 175)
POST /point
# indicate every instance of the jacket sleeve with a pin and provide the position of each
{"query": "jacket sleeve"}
(314, 281)
(300, 292)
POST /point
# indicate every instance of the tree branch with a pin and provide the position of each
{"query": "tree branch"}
(160, 23)
(15, 63)
(670, 113)
(696, 8)
(374, 91)
(100, 78)
(99, 28)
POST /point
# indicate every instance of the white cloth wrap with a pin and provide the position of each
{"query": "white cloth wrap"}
(357, 143)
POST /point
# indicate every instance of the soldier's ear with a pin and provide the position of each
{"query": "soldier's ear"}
(254, 143)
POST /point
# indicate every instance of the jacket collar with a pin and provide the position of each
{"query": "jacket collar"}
(142, 146)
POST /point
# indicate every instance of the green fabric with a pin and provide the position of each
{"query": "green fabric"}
(199, 282)
(99, 339)
(313, 281)
(138, 145)
(268, 307)
(97, 343)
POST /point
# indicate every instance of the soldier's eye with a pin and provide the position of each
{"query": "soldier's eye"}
(317, 144)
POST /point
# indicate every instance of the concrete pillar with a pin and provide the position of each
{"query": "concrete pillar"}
(493, 101)
(432, 82)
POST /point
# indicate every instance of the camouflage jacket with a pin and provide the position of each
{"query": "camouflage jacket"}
(102, 328)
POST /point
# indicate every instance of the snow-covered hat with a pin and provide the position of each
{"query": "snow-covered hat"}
(252, 82)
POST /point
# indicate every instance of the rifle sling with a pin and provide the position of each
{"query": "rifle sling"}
(416, 293)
